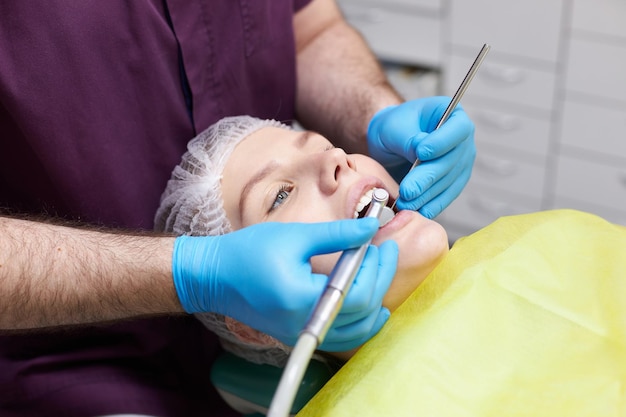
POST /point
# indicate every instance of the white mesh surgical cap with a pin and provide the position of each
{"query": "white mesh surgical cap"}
(192, 204)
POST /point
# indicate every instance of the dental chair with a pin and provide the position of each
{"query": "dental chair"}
(248, 387)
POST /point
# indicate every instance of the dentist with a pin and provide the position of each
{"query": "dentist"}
(98, 101)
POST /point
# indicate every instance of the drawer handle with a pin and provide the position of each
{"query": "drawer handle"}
(496, 167)
(622, 179)
(507, 75)
(498, 122)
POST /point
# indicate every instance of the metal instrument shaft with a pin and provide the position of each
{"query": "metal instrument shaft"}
(457, 95)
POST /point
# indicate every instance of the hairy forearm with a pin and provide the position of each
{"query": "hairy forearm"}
(341, 84)
(54, 275)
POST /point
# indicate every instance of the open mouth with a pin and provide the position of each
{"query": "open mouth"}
(366, 201)
(392, 204)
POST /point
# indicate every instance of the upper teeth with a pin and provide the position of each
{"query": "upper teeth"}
(364, 201)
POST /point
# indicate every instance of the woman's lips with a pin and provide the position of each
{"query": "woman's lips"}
(398, 222)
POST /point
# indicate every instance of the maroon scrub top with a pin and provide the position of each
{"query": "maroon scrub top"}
(98, 100)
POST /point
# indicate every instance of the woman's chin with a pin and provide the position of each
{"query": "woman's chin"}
(417, 236)
(423, 243)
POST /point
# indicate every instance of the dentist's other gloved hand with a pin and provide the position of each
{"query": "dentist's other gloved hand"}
(261, 276)
(398, 135)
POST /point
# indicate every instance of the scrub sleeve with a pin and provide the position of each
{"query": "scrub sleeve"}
(98, 100)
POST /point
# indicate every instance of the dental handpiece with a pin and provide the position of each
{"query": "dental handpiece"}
(342, 277)
(325, 312)
(456, 98)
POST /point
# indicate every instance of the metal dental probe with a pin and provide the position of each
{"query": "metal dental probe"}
(325, 312)
(457, 96)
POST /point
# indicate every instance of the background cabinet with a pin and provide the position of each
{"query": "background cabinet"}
(549, 102)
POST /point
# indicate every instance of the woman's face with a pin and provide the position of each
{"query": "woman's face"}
(283, 175)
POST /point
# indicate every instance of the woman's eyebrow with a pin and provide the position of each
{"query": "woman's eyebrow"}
(252, 182)
(303, 138)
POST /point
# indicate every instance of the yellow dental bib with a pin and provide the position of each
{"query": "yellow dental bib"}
(526, 317)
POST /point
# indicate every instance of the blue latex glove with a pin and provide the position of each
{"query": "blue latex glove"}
(261, 276)
(398, 135)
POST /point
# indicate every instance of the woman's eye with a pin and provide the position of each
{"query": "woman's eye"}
(329, 147)
(281, 197)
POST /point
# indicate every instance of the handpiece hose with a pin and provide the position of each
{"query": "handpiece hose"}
(325, 312)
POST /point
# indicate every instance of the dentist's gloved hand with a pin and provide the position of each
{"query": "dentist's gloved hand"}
(261, 276)
(398, 135)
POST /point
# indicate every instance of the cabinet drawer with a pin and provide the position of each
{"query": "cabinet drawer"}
(479, 206)
(594, 128)
(509, 171)
(597, 69)
(599, 184)
(605, 17)
(410, 82)
(528, 29)
(514, 130)
(510, 83)
(395, 35)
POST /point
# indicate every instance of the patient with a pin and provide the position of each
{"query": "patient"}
(261, 171)
(525, 317)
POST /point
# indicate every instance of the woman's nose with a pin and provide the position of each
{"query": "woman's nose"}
(332, 165)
